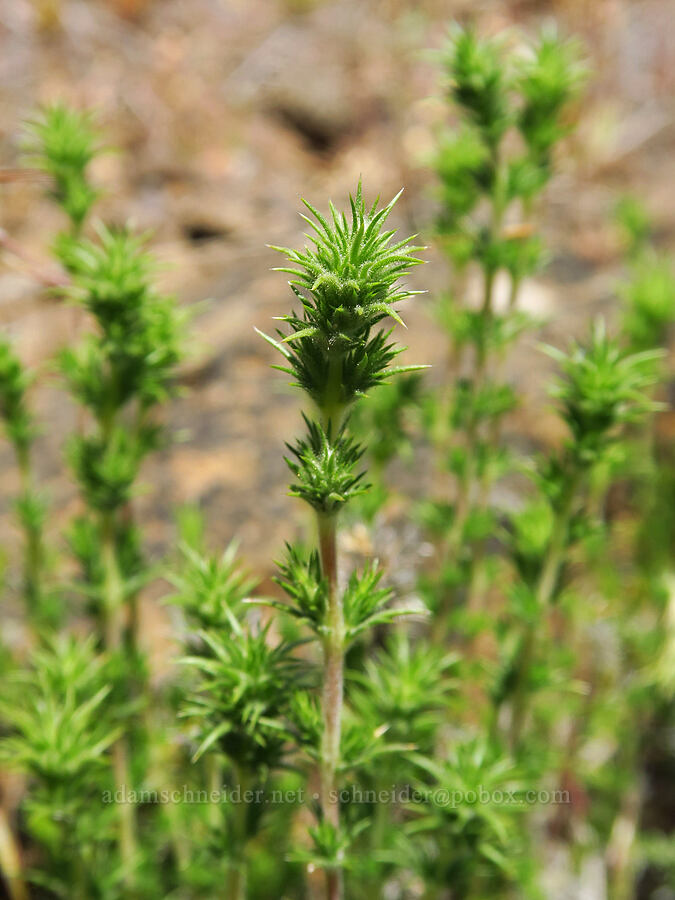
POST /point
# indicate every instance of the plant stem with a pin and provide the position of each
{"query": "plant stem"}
(34, 550)
(544, 590)
(332, 407)
(113, 589)
(619, 852)
(236, 882)
(128, 516)
(478, 582)
(333, 687)
(214, 775)
(463, 504)
(468, 476)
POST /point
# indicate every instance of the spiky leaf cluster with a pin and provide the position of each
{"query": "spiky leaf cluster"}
(106, 466)
(602, 386)
(366, 746)
(347, 283)
(366, 603)
(14, 412)
(330, 846)
(31, 504)
(464, 169)
(140, 341)
(478, 82)
(62, 142)
(325, 468)
(210, 589)
(634, 224)
(472, 802)
(491, 401)
(476, 160)
(529, 537)
(405, 688)
(60, 731)
(84, 538)
(59, 713)
(547, 81)
(242, 696)
(364, 743)
(305, 724)
(649, 302)
(301, 579)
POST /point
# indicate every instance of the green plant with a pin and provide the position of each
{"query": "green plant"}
(641, 692)
(31, 506)
(492, 170)
(347, 282)
(120, 373)
(62, 142)
(62, 728)
(254, 701)
(602, 389)
(240, 696)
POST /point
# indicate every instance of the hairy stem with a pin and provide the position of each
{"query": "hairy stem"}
(332, 406)
(333, 687)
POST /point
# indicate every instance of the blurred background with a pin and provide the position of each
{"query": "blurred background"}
(220, 115)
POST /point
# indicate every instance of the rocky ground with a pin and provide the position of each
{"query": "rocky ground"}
(222, 114)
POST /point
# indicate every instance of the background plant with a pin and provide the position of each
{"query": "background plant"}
(493, 167)
(120, 374)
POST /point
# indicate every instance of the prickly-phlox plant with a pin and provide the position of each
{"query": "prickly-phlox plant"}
(347, 281)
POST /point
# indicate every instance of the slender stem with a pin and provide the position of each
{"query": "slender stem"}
(463, 505)
(214, 775)
(81, 888)
(478, 582)
(466, 483)
(74, 849)
(468, 476)
(333, 688)
(132, 600)
(544, 590)
(113, 589)
(332, 406)
(236, 881)
(34, 550)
